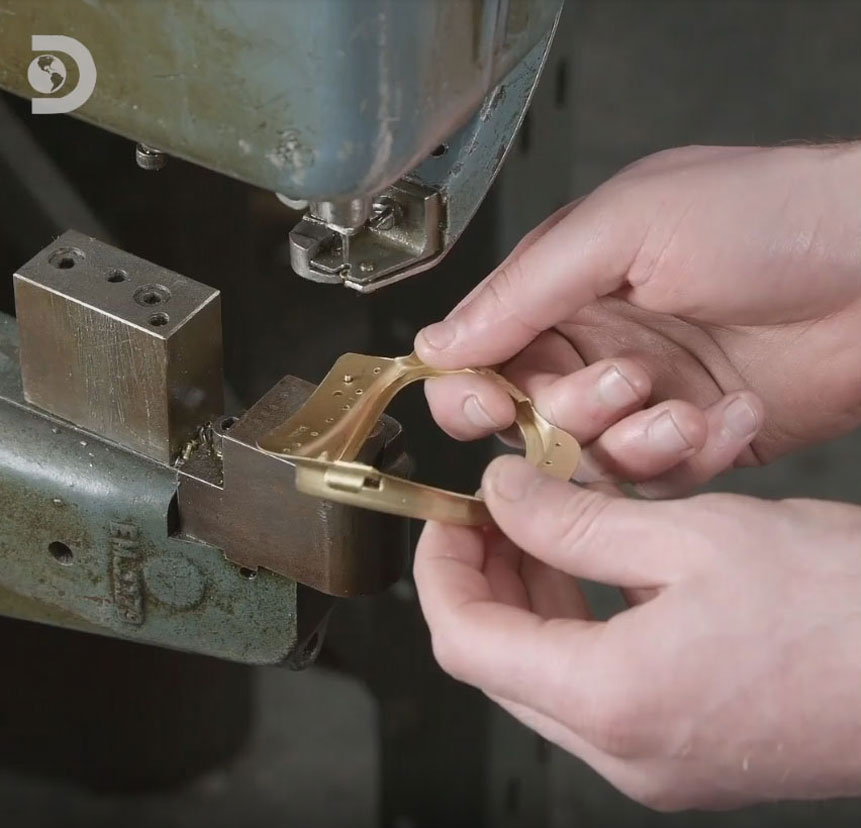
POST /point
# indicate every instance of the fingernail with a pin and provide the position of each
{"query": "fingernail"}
(439, 335)
(740, 419)
(476, 413)
(512, 480)
(664, 433)
(616, 390)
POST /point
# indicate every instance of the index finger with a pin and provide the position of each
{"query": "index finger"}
(584, 256)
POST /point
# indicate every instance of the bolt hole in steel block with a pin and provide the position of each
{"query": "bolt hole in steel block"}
(94, 353)
(150, 295)
(61, 553)
(65, 258)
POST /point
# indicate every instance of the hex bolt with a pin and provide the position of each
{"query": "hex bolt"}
(384, 213)
(149, 158)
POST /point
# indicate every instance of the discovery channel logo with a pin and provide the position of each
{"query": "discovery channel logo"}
(47, 74)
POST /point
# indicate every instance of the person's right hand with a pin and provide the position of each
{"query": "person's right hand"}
(733, 677)
(691, 278)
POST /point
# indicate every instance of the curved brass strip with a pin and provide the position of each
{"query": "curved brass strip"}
(324, 437)
(359, 485)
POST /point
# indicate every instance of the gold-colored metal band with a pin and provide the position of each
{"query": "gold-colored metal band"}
(324, 437)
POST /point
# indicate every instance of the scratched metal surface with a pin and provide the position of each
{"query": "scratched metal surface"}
(119, 345)
(312, 98)
(127, 576)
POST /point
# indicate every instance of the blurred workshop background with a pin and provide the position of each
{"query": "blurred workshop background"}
(374, 733)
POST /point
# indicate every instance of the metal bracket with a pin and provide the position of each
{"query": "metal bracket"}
(433, 204)
(404, 228)
(323, 438)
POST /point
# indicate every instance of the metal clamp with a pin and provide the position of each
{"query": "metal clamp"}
(324, 437)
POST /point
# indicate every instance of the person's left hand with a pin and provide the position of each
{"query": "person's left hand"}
(734, 677)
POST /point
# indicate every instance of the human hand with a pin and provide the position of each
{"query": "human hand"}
(692, 278)
(734, 677)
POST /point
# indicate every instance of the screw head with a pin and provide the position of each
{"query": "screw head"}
(149, 158)
(384, 213)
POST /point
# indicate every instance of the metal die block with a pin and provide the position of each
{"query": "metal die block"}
(119, 346)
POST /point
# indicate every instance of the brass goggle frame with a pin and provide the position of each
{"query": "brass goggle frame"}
(324, 437)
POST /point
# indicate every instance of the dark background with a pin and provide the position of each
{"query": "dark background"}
(627, 77)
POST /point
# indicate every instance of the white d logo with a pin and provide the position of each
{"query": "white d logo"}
(47, 74)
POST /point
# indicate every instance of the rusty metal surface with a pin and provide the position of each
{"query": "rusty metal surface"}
(311, 98)
(87, 532)
(246, 502)
(98, 537)
(118, 345)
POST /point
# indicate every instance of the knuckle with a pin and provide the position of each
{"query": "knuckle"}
(625, 719)
(580, 519)
(502, 293)
(656, 792)
(617, 728)
(653, 259)
(448, 654)
(501, 287)
(649, 162)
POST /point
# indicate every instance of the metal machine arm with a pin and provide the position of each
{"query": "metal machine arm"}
(132, 505)
(387, 119)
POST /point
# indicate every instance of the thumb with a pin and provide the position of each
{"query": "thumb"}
(582, 257)
(586, 533)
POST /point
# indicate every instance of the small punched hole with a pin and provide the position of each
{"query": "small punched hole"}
(337, 393)
(158, 320)
(228, 422)
(439, 151)
(61, 553)
(247, 573)
(117, 275)
(65, 258)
